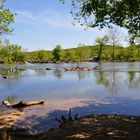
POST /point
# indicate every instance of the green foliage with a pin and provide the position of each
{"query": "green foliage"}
(101, 42)
(11, 54)
(125, 13)
(82, 54)
(6, 18)
(58, 53)
(70, 55)
(40, 56)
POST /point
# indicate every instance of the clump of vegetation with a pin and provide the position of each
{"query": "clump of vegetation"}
(63, 119)
(13, 54)
(10, 54)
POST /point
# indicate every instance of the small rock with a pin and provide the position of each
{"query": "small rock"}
(5, 77)
(48, 68)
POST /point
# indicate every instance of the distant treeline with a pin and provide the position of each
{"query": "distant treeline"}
(10, 54)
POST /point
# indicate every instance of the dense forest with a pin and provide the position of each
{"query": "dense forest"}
(12, 54)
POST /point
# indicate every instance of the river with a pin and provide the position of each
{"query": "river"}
(113, 88)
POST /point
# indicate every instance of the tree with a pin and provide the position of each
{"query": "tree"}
(101, 42)
(70, 55)
(131, 53)
(57, 53)
(6, 18)
(114, 37)
(125, 13)
(42, 55)
(11, 53)
(82, 53)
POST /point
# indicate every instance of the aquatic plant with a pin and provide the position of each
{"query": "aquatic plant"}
(64, 119)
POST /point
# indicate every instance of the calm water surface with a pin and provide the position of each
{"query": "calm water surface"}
(114, 88)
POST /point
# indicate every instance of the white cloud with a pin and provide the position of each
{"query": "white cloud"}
(47, 18)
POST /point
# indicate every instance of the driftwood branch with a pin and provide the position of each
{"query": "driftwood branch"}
(22, 104)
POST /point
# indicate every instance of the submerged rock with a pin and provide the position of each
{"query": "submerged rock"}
(79, 69)
(5, 77)
(48, 69)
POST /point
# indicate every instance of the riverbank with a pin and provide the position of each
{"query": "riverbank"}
(88, 127)
(68, 62)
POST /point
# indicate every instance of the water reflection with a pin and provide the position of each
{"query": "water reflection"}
(134, 79)
(10, 72)
(12, 99)
(82, 75)
(109, 90)
(41, 72)
(58, 74)
(111, 80)
(108, 80)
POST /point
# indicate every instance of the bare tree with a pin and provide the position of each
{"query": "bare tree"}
(114, 38)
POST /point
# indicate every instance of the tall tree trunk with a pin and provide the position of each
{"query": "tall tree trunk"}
(100, 52)
(113, 51)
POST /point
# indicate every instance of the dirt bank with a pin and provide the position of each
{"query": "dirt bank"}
(98, 127)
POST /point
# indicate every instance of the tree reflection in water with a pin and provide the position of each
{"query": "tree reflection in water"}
(112, 80)
(10, 72)
(134, 80)
(58, 73)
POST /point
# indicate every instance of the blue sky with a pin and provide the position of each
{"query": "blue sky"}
(42, 24)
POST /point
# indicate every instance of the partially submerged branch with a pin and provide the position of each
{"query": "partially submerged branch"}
(22, 104)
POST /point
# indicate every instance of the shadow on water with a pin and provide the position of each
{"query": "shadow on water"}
(109, 106)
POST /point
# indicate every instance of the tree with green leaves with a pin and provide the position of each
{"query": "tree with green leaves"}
(124, 13)
(42, 55)
(11, 54)
(101, 42)
(6, 18)
(58, 53)
(70, 55)
(82, 54)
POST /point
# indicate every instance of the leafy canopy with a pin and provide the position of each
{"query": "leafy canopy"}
(6, 18)
(102, 41)
(11, 54)
(125, 13)
(57, 53)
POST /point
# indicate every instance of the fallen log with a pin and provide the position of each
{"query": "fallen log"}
(22, 104)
